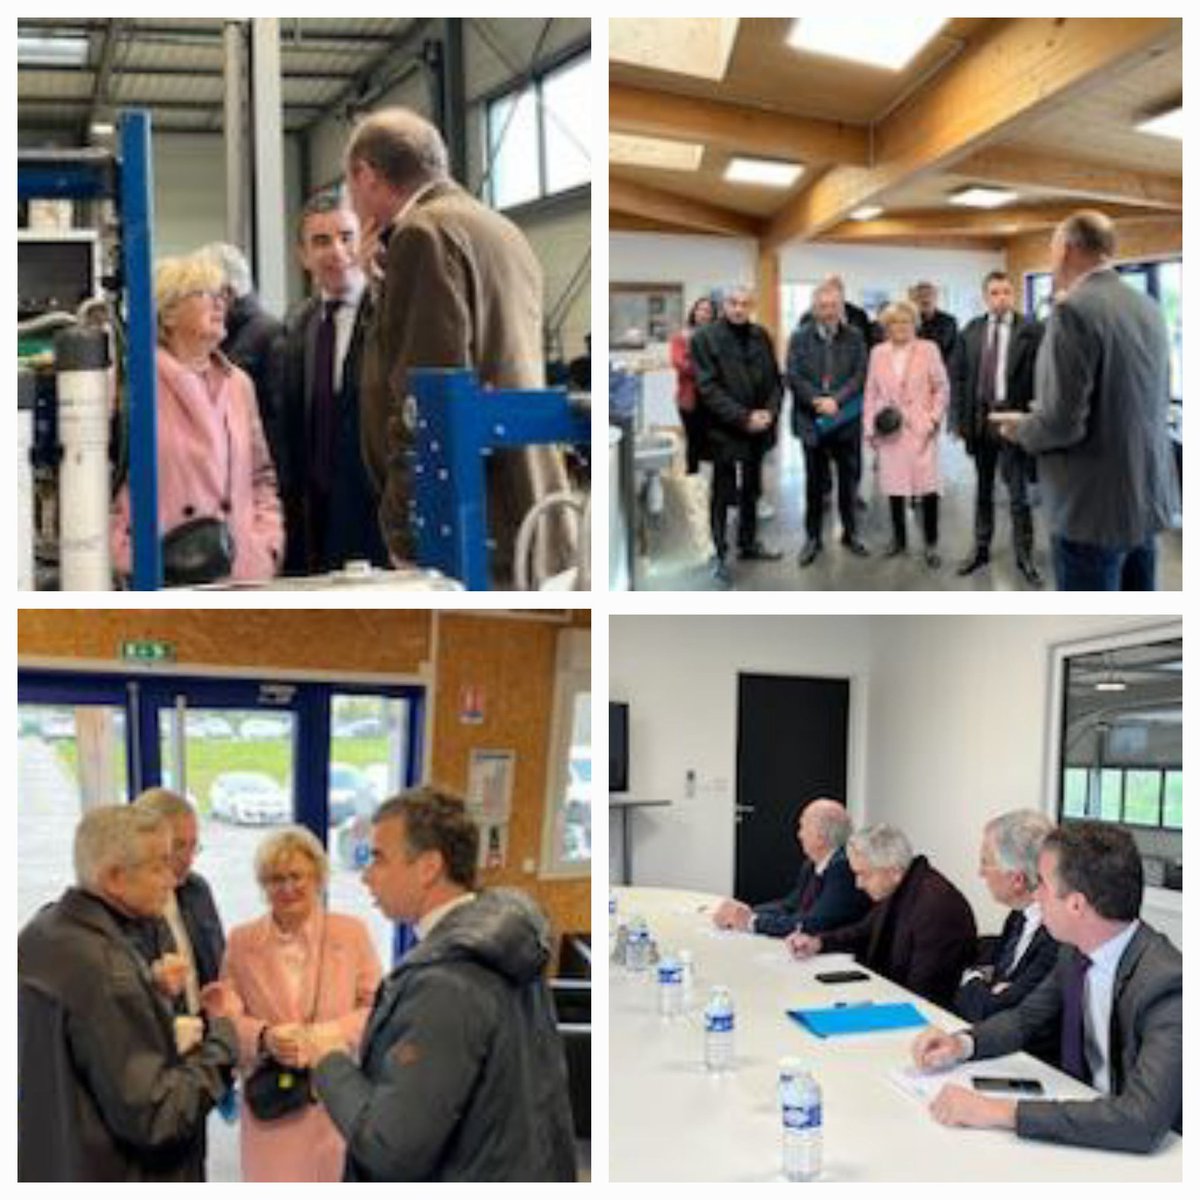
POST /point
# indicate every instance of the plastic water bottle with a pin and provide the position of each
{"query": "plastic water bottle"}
(718, 1030)
(800, 1102)
(687, 968)
(670, 986)
(637, 946)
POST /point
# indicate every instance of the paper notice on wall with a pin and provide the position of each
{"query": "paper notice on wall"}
(489, 802)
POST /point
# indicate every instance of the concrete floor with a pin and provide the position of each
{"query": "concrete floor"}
(676, 548)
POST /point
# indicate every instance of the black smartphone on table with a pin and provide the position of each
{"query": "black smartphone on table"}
(996, 1083)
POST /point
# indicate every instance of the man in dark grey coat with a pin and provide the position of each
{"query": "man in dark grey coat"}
(461, 1073)
(1099, 424)
(1117, 991)
(112, 1087)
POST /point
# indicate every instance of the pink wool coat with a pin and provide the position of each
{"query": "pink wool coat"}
(908, 461)
(304, 1146)
(211, 449)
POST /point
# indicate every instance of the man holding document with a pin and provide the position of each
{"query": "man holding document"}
(1118, 989)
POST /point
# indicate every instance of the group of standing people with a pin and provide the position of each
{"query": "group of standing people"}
(136, 1017)
(283, 446)
(1082, 403)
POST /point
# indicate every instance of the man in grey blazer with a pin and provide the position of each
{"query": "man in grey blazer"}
(1117, 990)
(1099, 422)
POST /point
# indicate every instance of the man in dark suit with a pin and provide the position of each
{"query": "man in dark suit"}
(330, 503)
(1117, 992)
(920, 932)
(739, 391)
(1100, 423)
(935, 325)
(992, 371)
(825, 896)
(1025, 953)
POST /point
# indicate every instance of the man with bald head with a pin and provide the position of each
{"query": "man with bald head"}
(824, 897)
(1099, 424)
(457, 285)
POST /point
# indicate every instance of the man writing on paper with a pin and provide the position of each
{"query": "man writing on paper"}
(1118, 991)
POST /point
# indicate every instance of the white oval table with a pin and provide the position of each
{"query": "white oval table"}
(671, 1119)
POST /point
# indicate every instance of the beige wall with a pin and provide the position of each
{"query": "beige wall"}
(1157, 238)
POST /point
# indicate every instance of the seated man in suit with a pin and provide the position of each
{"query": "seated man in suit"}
(1117, 991)
(1025, 953)
(824, 896)
(920, 932)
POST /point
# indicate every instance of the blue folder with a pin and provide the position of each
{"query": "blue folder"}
(859, 1018)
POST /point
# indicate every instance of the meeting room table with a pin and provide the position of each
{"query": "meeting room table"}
(672, 1119)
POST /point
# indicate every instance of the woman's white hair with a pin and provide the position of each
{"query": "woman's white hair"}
(112, 836)
(882, 846)
(287, 842)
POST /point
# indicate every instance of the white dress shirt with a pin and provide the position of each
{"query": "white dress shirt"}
(344, 318)
(1004, 334)
(1033, 922)
(1097, 1006)
(426, 924)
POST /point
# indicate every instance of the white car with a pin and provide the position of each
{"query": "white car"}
(249, 798)
(263, 729)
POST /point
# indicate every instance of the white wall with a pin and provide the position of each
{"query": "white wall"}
(698, 264)
(949, 728)
(679, 675)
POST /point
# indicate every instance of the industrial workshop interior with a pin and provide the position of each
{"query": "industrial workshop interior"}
(304, 303)
(293, 728)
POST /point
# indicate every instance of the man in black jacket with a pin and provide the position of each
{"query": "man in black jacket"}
(330, 504)
(461, 1074)
(935, 325)
(1025, 953)
(993, 371)
(825, 895)
(112, 1088)
(826, 370)
(739, 390)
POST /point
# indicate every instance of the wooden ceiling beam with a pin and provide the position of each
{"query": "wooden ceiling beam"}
(1098, 183)
(1016, 71)
(739, 127)
(655, 204)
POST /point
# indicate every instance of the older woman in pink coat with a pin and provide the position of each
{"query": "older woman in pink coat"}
(293, 973)
(213, 459)
(907, 374)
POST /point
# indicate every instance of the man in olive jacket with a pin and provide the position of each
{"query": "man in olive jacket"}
(461, 1073)
(112, 1087)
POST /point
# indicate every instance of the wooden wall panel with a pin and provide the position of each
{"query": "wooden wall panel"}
(1136, 240)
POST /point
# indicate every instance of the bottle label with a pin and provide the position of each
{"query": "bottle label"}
(802, 1116)
(718, 1022)
(670, 974)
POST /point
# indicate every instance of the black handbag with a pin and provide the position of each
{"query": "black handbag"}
(274, 1090)
(888, 421)
(198, 551)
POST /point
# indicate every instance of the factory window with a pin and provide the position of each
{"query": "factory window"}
(537, 136)
(567, 827)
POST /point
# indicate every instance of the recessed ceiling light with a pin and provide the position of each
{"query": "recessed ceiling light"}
(626, 150)
(1168, 124)
(981, 197)
(763, 171)
(697, 46)
(869, 213)
(888, 42)
(47, 50)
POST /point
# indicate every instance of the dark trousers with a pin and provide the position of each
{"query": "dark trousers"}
(693, 428)
(840, 454)
(726, 492)
(1079, 567)
(990, 452)
(929, 514)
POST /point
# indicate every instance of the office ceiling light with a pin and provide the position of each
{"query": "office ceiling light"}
(869, 213)
(49, 50)
(1112, 681)
(887, 42)
(626, 150)
(763, 171)
(696, 46)
(1167, 125)
(981, 197)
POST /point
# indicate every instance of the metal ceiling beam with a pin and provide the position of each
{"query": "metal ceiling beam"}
(199, 33)
(104, 70)
(190, 72)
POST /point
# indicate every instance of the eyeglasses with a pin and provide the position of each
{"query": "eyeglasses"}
(291, 879)
(214, 296)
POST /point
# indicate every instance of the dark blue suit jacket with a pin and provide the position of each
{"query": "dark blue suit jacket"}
(838, 902)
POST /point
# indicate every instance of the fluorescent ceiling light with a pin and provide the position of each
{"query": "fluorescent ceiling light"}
(981, 197)
(887, 42)
(627, 150)
(1110, 685)
(1168, 124)
(45, 50)
(764, 172)
(869, 213)
(696, 46)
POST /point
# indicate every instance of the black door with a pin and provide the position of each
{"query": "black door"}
(791, 749)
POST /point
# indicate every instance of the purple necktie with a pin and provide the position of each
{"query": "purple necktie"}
(987, 368)
(322, 431)
(1074, 1061)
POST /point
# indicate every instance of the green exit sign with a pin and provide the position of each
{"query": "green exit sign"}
(148, 652)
